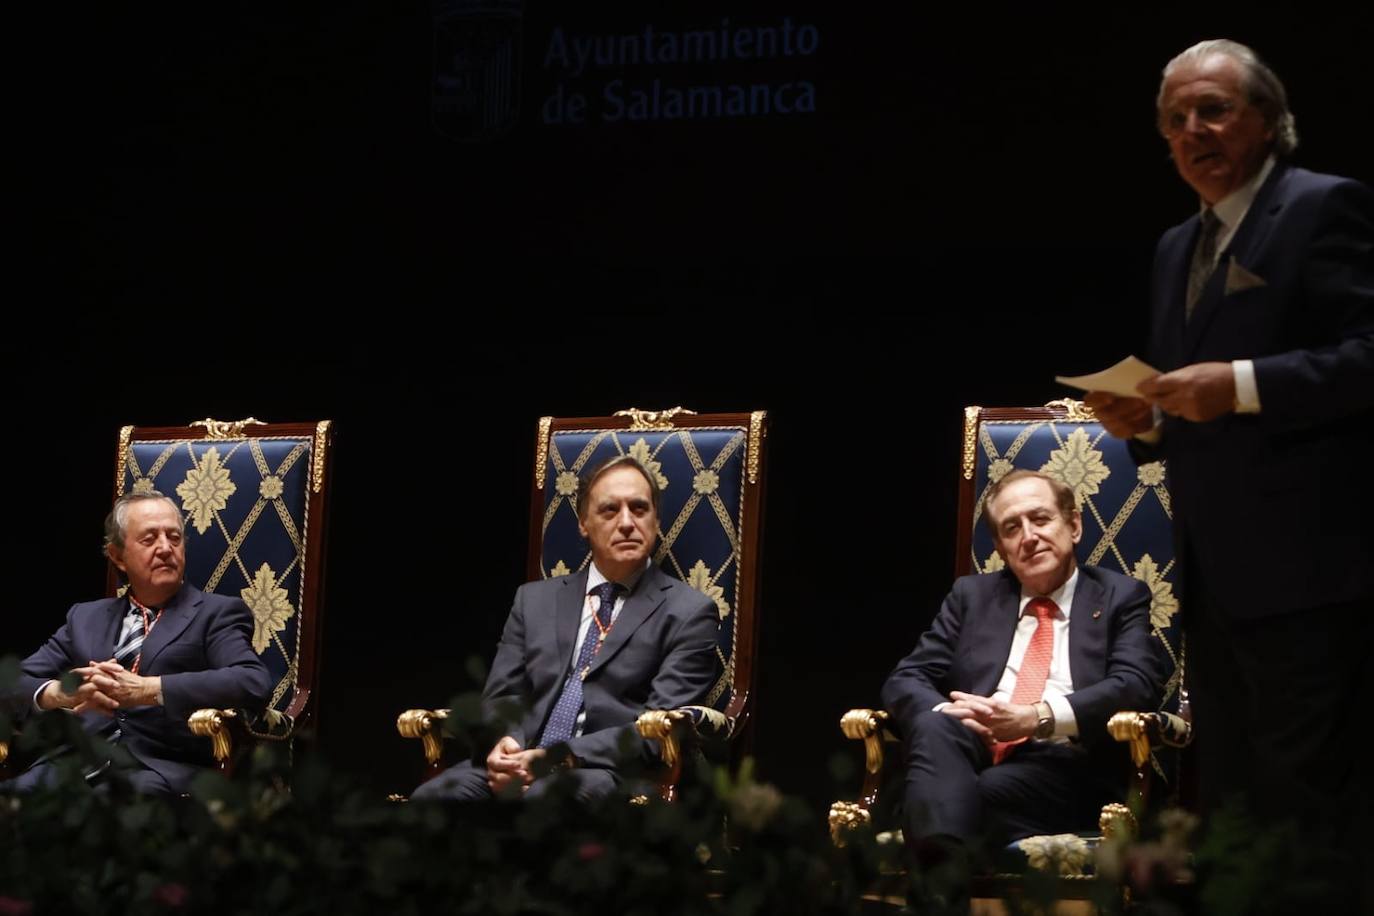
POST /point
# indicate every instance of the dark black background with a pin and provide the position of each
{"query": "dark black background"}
(247, 211)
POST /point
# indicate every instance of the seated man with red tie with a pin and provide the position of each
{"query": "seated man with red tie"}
(585, 654)
(146, 660)
(1002, 708)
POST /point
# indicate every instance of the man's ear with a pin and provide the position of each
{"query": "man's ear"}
(116, 557)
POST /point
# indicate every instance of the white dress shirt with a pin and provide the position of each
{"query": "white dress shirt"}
(1059, 684)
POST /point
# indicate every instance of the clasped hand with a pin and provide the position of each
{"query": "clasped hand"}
(105, 686)
(991, 719)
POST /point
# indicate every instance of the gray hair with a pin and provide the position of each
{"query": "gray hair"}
(1262, 86)
(116, 522)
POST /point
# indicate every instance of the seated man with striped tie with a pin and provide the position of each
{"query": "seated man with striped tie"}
(1002, 708)
(585, 654)
(146, 660)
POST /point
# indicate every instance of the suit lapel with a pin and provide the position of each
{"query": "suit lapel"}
(114, 624)
(1085, 627)
(1259, 221)
(1001, 629)
(639, 607)
(568, 606)
(175, 618)
(1172, 319)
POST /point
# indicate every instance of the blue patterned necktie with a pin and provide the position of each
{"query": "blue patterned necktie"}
(563, 719)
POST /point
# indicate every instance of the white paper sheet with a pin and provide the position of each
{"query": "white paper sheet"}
(1120, 379)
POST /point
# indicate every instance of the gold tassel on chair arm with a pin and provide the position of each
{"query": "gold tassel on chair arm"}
(1132, 727)
(865, 725)
(425, 724)
(210, 723)
(657, 725)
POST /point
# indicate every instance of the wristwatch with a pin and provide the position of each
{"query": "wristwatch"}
(1044, 726)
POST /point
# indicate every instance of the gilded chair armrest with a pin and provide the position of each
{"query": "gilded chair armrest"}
(428, 726)
(680, 732)
(1144, 730)
(227, 727)
(870, 727)
(669, 727)
(4, 751)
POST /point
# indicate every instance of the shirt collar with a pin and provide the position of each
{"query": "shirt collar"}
(595, 577)
(1232, 208)
(1061, 596)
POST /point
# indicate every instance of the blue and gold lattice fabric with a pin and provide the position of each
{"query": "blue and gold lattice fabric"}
(1127, 516)
(246, 503)
(701, 473)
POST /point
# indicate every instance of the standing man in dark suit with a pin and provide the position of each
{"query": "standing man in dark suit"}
(146, 660)
(1263, 324)
(585, 654)
(1002, 708)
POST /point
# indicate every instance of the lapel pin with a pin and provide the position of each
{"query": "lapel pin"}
(1097, 613)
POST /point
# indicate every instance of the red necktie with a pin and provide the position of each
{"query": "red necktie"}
(1035, 666)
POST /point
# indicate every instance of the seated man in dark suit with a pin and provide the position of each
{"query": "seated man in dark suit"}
(146, 660)
(1002, 707)
(585, 654)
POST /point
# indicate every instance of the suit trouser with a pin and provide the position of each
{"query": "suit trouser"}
(143, 781)
(954, 790)
(1280, 704)
(467, 782)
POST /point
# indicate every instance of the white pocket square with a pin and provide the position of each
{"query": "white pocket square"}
(1238, 279)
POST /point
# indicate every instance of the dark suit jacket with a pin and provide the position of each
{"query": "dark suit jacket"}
(1115, 663)
(201, 648)
(661, 653)
(1274, 505)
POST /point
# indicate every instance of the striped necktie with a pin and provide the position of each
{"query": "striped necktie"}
(138, 622)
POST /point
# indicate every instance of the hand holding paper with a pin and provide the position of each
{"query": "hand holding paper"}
(1113, 398)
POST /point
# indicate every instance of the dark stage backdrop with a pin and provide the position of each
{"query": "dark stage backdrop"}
(401, 217)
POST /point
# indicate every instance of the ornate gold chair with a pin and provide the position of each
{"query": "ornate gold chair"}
(255, 497)
(711, 471)
(1127, 527)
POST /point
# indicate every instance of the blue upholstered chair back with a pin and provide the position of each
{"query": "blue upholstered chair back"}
(253, 501)
(709, 469)
(1127, 517)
